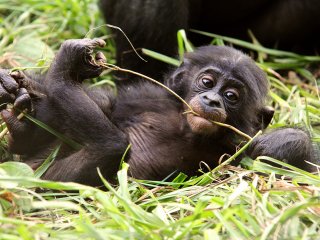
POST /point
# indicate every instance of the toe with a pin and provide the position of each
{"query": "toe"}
(23, 100)
(8, 82)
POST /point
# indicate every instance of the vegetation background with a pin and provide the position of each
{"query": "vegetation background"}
(255, 201)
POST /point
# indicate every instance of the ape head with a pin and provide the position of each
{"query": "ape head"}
(224, 85)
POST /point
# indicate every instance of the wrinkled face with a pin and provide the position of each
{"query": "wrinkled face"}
(213, 95)
(222, 84)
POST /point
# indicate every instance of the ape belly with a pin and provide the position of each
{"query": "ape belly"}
(162, 146)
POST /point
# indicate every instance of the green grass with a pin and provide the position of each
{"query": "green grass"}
(227, 203)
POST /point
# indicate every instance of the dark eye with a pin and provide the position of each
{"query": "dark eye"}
(231, 95)
(207, 82)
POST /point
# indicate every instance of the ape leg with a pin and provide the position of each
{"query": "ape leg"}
(288, 144)
(24, 94)
(78, 117)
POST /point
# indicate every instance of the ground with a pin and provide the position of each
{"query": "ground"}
(255, 201)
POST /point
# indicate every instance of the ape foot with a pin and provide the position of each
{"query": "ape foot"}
(12, 90)
(77, 59)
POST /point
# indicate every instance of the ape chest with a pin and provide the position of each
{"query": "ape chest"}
(160, 147)
(157, 145)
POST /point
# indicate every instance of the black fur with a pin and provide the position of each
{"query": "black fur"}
(153, 24)
(219, 83)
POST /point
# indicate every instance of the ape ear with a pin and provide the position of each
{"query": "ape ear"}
(265, 116)
(178, 81)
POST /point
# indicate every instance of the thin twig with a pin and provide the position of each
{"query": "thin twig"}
(116, 68)
(233, 129)
(224, 125)
(234, 156)
(119, 29)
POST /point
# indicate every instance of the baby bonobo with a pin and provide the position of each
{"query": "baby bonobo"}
(219, 83)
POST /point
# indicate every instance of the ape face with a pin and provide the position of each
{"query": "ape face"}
(213, 96)
(223, 85)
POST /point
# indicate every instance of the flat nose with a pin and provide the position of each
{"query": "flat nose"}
(211, 100)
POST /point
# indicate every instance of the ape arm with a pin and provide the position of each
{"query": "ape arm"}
(290, 145)
(80, 118)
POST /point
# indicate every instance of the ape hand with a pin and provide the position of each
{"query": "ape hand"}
(77, 61)
(291, 145)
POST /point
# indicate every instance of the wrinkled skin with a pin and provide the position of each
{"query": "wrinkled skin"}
(219, 83)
